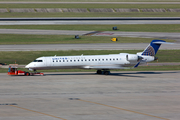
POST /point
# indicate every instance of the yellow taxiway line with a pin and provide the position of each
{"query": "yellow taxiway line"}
(38, 112)
(124, 109)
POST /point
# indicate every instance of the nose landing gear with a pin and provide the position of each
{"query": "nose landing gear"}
(99, 72)
(105, 72)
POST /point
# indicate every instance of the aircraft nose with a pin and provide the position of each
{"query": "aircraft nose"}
(27, 66)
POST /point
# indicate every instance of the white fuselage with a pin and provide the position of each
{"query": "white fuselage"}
(106, 62)
(98, 62)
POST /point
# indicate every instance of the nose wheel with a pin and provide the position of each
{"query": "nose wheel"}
(105, 72)
(99, 72)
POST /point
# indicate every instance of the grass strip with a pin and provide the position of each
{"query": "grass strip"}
(133, 14)
(165, 6)
(25, 57)
(66, 39)
(124, 28)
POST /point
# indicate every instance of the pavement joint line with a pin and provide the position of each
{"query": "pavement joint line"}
(38, 112)
(124, 109)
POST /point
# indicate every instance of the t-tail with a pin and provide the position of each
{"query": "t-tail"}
(149, 53)
(152, 48)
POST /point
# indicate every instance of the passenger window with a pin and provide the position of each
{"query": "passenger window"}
(95, 59)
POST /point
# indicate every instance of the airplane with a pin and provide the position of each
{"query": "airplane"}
(102, 63)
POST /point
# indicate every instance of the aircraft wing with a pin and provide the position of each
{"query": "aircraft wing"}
(109, 67)
(106, 67)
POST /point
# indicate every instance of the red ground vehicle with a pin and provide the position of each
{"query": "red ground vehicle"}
(14, 71)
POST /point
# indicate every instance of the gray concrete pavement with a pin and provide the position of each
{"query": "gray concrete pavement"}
(160, 35)
(85, 18)
(86, 96)
(98, 46)
(88, 20)
(85, 22)
(42, 32)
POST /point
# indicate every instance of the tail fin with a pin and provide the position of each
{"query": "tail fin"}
(152, 48)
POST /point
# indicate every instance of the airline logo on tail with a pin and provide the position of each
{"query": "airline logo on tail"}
(153, 47)
(149, 51)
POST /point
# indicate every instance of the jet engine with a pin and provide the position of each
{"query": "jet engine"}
(132, 57)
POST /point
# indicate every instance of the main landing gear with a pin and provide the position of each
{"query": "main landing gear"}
(105, 72)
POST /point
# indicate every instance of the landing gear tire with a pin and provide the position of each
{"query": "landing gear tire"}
(106, 72)
(99, 72)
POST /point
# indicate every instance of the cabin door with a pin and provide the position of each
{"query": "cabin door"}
(49, 62)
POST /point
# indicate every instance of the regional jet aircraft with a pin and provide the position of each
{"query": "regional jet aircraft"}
(102, 63)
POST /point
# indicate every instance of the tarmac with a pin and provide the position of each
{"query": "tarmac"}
(86, 22)
(160, 35)
(152, 95)
(98, 46)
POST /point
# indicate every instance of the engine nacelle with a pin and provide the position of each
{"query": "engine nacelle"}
(132, 57)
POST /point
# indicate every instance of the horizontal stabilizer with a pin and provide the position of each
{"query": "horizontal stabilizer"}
(162, 43)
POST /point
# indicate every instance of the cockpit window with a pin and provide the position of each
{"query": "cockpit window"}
(38, 61)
